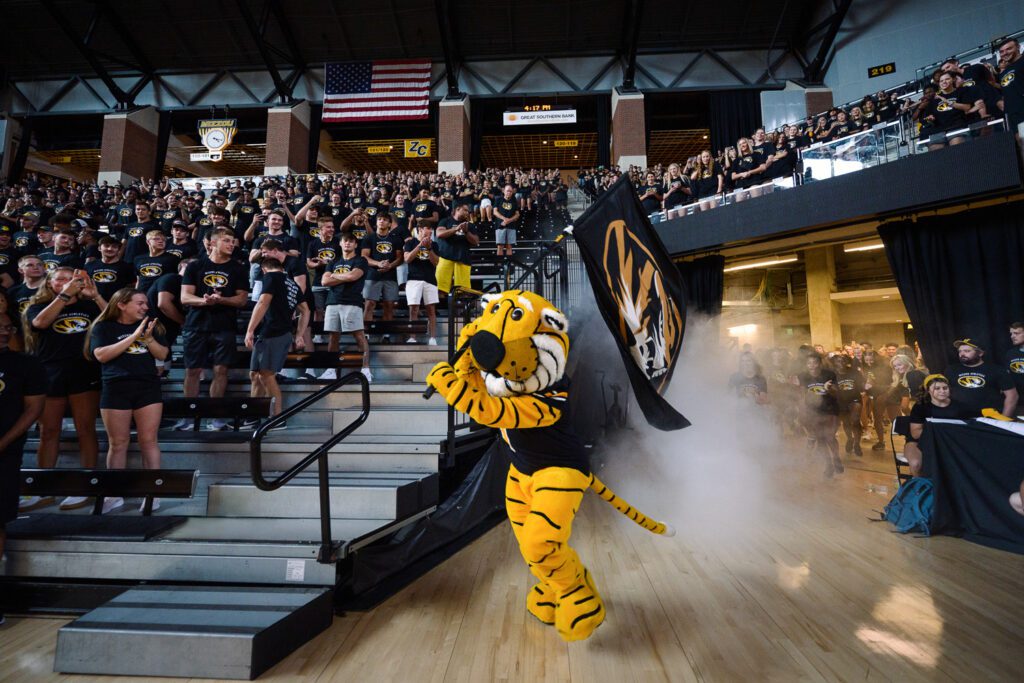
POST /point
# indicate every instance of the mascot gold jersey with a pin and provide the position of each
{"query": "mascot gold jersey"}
(511, 377)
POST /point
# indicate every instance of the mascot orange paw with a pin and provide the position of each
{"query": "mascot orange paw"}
(579, 611)
(540, 602)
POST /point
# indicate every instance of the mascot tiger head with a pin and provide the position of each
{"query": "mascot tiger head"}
(519, 344)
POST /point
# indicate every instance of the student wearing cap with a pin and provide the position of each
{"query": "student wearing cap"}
(978, 384)
(26, 240)
(109, 272)
(63, 254)
(933, 401)
(182, 245)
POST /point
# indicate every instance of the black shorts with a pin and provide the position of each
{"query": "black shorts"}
(206, 349)
(130, 394)
(10, 481)
(69, 377)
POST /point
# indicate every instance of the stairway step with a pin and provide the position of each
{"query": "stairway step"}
(354, 495)
(429, 420)
(190, 632)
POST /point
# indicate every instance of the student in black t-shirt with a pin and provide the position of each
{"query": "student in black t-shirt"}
(109, 272)
(748, 170)
(181, 244)
(821, 411)
(63, 254)
(127, 342)
(269, 333)
(212, 291)
(749, 383)
(150, 267)
(947, 111)
(421, 255)
(650, 194)
(382, 250)
(164, 298)
(57, 319)
(933, 401)
(1011, 80)
(321, 251)
(22, 397)
(678, 192)
(977, 384)
(849, 387)
(134, 236)
(33, 275)
(1014, 359)
(708, 180)
(506, 216)
(345, 277)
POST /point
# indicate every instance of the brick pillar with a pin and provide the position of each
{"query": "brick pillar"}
(453, 135)
(128, 150)
(288, 140)
(823, 312)
(629, 135)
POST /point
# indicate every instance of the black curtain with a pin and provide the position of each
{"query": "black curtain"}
(604, 131)
(960, 276)
(734, 114)
(704, 278)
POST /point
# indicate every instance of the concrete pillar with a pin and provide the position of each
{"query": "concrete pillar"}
(820, 263)
(288, 140)
(793, 104)
(629, 133)
(453, 138)
(128, 150)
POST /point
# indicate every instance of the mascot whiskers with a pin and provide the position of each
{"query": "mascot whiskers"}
(510, 376)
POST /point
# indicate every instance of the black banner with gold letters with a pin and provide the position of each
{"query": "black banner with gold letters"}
(640, 294)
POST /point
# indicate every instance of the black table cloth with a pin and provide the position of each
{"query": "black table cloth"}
(975, 467)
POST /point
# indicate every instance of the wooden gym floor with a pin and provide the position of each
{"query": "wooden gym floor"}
(799, 587)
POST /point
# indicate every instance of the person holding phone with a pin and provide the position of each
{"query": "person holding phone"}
(127, 343)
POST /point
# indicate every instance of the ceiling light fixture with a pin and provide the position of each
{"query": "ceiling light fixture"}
(766, 263)
(863, 246)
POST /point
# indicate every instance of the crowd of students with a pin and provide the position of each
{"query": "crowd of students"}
(956, 96)
(863, 389)
(99, 282)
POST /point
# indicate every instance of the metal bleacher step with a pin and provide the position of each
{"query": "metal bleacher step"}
(427, 421)
(355, 495)
(193, 632)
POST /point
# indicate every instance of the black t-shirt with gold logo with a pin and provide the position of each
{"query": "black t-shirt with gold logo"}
(64, 339)
(980, 386)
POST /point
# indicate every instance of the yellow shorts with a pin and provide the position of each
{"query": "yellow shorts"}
(446, 269)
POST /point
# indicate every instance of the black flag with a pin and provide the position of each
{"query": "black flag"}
(640, 294)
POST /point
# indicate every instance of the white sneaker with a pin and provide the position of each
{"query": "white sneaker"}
(183, 425)
(330, 375)
(319, 339)
(111, 504)
(431, 342)
(29, 503)
(367, 374)
(156, 505)
(410, 340)
(74, 502)
(217, 425)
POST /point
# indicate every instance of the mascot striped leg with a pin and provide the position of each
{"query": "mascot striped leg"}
(541, 509)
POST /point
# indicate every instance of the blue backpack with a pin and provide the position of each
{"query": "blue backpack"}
(910, 509)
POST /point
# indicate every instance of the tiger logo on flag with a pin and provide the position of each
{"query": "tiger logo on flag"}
(650, 323)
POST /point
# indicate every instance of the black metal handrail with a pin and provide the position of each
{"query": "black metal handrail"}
(328, 549)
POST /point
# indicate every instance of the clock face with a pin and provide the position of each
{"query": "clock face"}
(215, 139)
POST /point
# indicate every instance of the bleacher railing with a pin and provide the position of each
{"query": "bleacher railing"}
(328, 548)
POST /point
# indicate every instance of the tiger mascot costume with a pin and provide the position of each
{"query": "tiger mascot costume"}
(510, 376)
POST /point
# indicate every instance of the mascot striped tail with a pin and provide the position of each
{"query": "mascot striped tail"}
(510, 376)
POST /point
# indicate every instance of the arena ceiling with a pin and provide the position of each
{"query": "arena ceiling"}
(50, 38)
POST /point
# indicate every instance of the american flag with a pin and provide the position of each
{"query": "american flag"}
(383, 90)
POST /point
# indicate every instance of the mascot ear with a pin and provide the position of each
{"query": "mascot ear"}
(554, 320)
